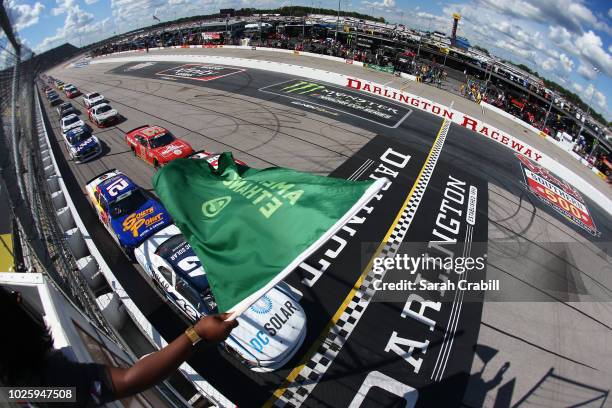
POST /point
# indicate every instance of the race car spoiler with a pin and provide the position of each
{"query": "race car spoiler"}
(136, 128)
(101, 174)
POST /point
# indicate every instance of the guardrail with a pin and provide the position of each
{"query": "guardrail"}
(510, 117)
(252, 48)
(93, 266)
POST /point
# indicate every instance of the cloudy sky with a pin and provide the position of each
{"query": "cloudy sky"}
(568, 41)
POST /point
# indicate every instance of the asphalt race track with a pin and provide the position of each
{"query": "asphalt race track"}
(434, 348)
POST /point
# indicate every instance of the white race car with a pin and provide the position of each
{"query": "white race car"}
(70, 122)
(92, 99)
(269, 332)
(102, 114)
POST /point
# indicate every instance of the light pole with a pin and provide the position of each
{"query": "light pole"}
(587, 115)
(588, 106)
(338, 20)
(552, 98)
(489, 77)
(356, 38)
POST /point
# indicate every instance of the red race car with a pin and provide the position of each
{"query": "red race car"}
(212, 158)
(71, 91)
(156, 145)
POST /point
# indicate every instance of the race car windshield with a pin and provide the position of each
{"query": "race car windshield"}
(103, 109)
(127, 203)
(161, 140)
(71, 121)
(79, 137)
(94, 95)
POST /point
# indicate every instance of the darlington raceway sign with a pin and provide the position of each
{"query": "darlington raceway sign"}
(447, 113)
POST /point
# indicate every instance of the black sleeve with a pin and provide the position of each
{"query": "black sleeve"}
(92, 381)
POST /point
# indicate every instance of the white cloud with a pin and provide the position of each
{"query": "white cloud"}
(129, 14)
(571, 14)
(591, 49)
(598, 98)
(561, 37)
(384, 4)
(516, 50)
(90, 1)
(62, 7)
(79, 28)
(588, 47)
(548, 64)
(24, 15)
(566, 63)
(587, 72)
(431, 21)
(519, 8)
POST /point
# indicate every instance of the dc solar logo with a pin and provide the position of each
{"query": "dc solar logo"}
(262, 306)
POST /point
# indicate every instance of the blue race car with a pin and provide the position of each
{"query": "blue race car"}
(82, 145)
(125, 210)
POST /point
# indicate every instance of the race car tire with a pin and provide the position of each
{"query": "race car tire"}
(233, 353)
(155, 164)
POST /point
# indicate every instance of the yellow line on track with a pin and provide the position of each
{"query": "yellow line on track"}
(313, 349)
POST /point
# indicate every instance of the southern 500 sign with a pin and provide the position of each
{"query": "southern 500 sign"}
(557, 194)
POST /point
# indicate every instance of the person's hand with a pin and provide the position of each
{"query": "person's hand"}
(215, 328)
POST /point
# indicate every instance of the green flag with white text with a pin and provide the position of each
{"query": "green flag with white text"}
(252, 227)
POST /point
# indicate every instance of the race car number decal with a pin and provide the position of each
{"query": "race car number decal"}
(152, 131)
(189, 263)
(115, 187)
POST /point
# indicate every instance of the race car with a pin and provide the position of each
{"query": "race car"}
(269, 332)
(212, 158)
(59, 85)
(70, 122)
(125, 210)
(51, 94)
(82, 145)
(156, 145)
(71, 91)
(54, 99)
(92, 99)
(102, 114)
(66, 109)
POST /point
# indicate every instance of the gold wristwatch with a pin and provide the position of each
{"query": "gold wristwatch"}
(194, 337)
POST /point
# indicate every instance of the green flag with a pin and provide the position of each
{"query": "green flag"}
(252, 227)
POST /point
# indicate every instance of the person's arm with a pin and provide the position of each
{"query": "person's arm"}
(159, 365)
